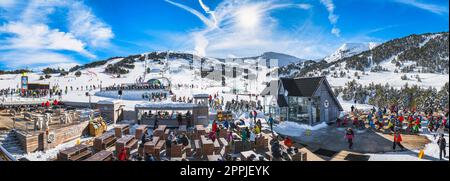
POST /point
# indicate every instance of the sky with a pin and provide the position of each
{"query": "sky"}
(62, 33)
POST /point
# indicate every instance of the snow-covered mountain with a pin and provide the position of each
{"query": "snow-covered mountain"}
(350, 49)
(283, 59)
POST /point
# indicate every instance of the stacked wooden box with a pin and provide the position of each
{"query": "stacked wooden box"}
(238, 145)
(101, 156)
(166, 134)
(159, 132)
(175, 150)
(223, 133)
(207, 146)
(75, 153)
(188, 149)
(104, 141)
(127, 141)
(121, 129)
(225, 146)
(245, 155)
(199, 130)
(149, 146)
(198, 148)
(262, 142)
(140, 130)
(159, 146)
(216, 147)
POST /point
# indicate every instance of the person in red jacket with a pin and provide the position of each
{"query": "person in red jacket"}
(55, 102)
(47, 104)
(123, 155)
(288, 142)
(214, 126)
(398, 140)
(43, 104)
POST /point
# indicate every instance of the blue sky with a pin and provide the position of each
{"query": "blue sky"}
(36, 33)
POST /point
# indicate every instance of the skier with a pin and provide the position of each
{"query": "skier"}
(442, 144)
(349, 135)
(397, 141)
(270, 121)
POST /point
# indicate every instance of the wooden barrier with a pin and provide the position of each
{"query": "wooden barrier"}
(121, 129)
(207, 146)
(127, 141)
(104, 141)
(75, 153)
(149, 146)
(159, 132)
(140, 130)
(101, 156)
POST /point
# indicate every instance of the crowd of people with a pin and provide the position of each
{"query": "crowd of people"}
(397, 122)
(135, 87)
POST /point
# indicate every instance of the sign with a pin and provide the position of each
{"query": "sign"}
(326, 104)
(24, 82)
(51, 137)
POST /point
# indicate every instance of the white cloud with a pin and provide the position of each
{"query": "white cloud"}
(246, 28)
(332, 17)
(28, 30)
(433, 8)
(30, 58)
(86, 26)
(7, 3)
(39, 36)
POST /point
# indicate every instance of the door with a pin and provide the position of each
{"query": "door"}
(326, 115)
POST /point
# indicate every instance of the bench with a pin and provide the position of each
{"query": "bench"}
(104, 141)
(81, 156)
(159, 146)
(67, 154)
(149, 146)
(198, 149)
(121, 129)
(207, 146)
(101, 156)
(176, 150)
(128, 142)
(140, 130)
(159, 131)
(188, 149)
(216, 147)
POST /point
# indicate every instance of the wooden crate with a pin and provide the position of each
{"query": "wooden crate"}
(140, 130)
(101, 156)
(121, 129)
(246, 154)
(176, 150)
(217, 147)
(149, 147)
(159, 146)
(207, 146)
(67, 153)
(104, 141)
(223, 133)
(198, 148)
(127, 141)
(159, 131)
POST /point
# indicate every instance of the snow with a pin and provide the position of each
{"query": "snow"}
(431, 152)
(348, 50)
(295, 129)
(51, 153)
(166, 104)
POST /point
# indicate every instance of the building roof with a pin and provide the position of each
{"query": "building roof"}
(302, 87)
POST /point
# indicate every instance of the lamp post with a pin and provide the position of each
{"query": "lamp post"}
(89, 95)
